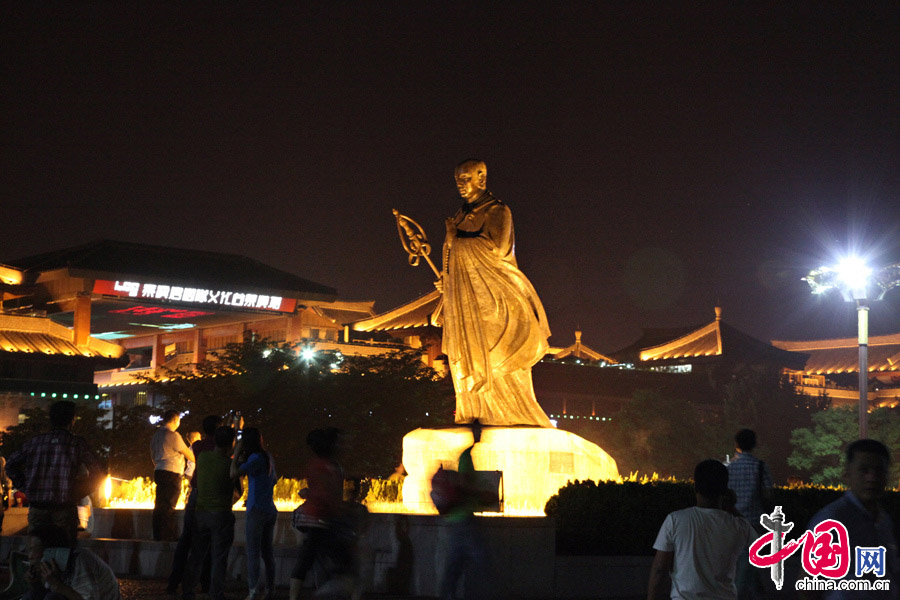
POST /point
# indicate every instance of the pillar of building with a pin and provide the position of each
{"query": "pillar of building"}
(159, 352)
(81, 330)
(199, 346)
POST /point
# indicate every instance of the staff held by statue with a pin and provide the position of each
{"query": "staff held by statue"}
(414, 241)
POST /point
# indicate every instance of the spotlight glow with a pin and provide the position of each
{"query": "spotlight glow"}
(854, 273)
(308, 354)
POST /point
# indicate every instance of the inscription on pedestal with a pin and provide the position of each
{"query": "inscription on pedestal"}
(562, 462)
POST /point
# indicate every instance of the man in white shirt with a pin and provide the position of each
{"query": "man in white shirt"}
(700, 546)
(168, 452)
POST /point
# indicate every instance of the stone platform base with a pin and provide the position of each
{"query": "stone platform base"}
(535, 462)
(401, 555)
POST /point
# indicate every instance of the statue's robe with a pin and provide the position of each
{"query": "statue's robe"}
(495, 328)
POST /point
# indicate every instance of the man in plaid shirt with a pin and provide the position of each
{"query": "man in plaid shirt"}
(749, 477)
(55, 470)
(751, 482)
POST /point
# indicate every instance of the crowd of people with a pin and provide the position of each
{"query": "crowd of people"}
(701, 552)
(56, 470)
(225, 454)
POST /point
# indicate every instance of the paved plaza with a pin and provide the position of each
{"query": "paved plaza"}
(155, 589)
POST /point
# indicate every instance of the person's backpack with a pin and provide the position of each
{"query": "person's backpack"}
(446, 490)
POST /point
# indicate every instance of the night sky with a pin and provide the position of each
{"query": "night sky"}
(659, 159)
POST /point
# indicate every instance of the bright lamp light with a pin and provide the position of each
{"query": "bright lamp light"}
(853, 273)
(308, 354)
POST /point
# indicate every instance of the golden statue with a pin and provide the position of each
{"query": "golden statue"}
(495, 328)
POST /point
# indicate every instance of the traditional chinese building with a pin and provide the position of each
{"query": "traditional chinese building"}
(163, 307)
(833, 369)
(716, 344)
(40, 362)
(415, 324)
(580, 353)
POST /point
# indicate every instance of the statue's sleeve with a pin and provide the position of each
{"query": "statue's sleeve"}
(498, 227)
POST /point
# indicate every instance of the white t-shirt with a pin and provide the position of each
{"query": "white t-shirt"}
(167, 448)
(93, 578)
(707, 543)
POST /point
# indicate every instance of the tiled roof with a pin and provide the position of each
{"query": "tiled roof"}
(345, 312)
(581, 350)
(841, 355)
(650, 337)
(417, 313)
(41, 336)
(22, 341)
(109, 259)
(706, 341)
(719, 339)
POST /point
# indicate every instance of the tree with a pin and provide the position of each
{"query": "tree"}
(36, 421)
(375, 399)
(662, 431)
(758, 397)
(129, 442)
(659, 433)
(818, 450)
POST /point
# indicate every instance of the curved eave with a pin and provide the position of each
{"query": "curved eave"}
(706, 341)
(418, 313)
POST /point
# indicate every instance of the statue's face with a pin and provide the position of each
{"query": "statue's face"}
(471, 181)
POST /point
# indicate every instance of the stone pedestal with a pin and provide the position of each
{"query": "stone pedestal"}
(535, 462)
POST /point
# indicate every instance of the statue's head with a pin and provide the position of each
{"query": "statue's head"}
(471, 178)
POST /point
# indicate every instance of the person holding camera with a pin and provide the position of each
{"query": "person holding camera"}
(168, 452)
(214, 521)
(206, 443)
(253, 461)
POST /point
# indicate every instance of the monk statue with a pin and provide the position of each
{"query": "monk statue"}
(495, 328)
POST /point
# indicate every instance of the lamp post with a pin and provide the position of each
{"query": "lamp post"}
(854, 280)
(862, 318)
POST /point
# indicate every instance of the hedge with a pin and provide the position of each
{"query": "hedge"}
(622, 519)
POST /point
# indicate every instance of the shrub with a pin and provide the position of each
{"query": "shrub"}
(611, 518)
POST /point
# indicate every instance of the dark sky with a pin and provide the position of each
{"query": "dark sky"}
(659, 158)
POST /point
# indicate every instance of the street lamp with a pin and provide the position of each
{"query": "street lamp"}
(854, 279)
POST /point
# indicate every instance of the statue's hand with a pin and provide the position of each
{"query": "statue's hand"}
(451, 227)
(439, 284)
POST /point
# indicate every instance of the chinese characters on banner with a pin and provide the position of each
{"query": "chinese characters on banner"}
(211, 297)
